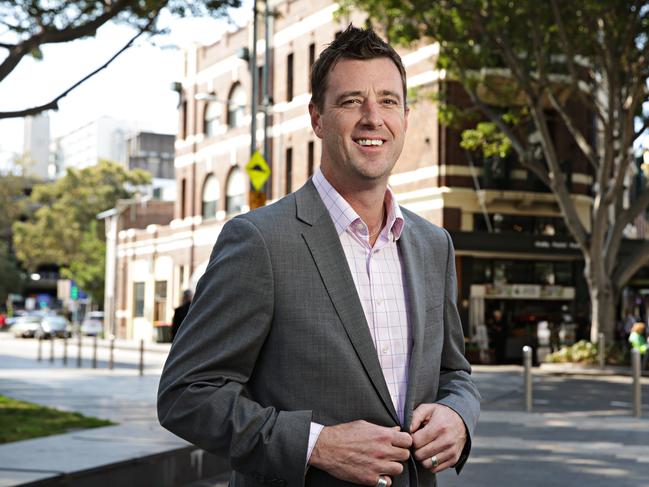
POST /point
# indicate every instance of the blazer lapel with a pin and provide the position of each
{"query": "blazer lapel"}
(413, 259)
(324, 244)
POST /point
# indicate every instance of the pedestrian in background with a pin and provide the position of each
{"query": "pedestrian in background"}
(180, 312)
(638, 341)
(324, 347)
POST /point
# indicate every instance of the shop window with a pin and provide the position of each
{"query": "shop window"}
(235, 192)
(211, 195)
(138, 299)
(563, 275)
(160, 302)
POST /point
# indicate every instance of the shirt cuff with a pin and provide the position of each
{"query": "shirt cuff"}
(314, 433)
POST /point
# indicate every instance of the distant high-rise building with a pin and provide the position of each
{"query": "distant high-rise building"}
(154, 153)
(104, 138)
(36, 145)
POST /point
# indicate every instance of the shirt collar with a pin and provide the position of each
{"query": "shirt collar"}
(343, 215)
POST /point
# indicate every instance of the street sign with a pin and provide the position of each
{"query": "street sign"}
(257, 170)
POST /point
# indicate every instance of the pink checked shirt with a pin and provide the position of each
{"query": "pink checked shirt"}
(378, 277)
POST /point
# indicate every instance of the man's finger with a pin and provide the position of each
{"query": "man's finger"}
(420, 415)
(402, 440)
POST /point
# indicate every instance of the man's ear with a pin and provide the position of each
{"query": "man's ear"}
(315, 119)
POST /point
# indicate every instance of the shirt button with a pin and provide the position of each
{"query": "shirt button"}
(379, 302)
(385, 349)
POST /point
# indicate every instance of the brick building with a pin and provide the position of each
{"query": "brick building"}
(512, 248)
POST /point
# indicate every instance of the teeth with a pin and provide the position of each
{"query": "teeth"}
(370, 142)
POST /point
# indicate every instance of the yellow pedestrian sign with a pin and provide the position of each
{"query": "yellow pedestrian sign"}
(257, 170)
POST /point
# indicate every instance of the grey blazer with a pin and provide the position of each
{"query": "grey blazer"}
(276, 338)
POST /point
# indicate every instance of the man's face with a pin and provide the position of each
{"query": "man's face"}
(362, 123)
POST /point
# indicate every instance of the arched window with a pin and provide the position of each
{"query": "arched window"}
(236, 106)
(211, 118)
(235, 192)
(211, 194)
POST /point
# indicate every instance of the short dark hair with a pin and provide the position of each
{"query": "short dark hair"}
(353, 43)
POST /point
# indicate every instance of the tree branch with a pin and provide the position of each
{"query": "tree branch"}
(54, 104)
(630, 265)
(623, 219)
(56, 36)
(582, 143)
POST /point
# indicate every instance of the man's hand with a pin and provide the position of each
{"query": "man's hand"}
(360, 452)
(437, 430)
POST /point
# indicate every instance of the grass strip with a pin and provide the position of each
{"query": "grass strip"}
(20, 420)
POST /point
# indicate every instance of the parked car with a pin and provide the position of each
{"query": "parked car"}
(93, 324)
(26, 326)
(54, 326)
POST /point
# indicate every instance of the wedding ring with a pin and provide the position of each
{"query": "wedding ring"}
(435, 461)
(382, 482)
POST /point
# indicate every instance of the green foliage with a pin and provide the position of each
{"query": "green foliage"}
(12, 278)
(20, 420)
(587, 353)
(64, 229)
(487, 139)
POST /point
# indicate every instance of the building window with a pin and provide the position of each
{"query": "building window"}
(160, 303)
(310, 157)
(183, 190)
(289, 77)
(211, 195)
(138, 299)
(311, 55)
(289, 170)
(236, 106)
(211, 118)
(235, 192)
(183, 122)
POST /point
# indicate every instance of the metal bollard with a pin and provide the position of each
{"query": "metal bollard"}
(65, 350)
(601, 346)
(39, 356)
(637, 386)
(79, 350)
(94, 352)
(527, 363)
(141, 356)
(111, 360)
(52, 349)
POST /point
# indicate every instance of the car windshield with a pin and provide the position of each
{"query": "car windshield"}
(29, 319)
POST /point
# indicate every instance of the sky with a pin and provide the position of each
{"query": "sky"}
(136, 86)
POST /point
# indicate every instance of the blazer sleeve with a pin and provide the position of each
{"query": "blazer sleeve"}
(202, 396)
(456, 388)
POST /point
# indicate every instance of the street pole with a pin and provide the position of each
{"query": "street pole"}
(527, 362)
(601, 348)
(111, 360)
(141, 356)
(65, 350)
(79, 350)
(255, 80)
(52, 349)
(266, 97)
(94, 352)
(637, 386)
(40, 349)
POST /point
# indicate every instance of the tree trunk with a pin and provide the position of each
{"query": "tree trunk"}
(603, 303)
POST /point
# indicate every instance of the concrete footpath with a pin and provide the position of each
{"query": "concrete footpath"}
(580, 433)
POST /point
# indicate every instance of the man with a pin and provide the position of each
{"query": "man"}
(323, 346)
(180, 313)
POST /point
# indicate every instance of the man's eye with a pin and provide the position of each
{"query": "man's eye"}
(390, 101)
(351, 101)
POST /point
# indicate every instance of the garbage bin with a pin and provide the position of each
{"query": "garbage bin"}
(163, 332)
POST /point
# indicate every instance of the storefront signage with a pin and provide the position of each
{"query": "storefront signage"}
(522, 291)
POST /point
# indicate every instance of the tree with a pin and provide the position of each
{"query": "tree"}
(537, 58)
(64, 229)
(28, 25)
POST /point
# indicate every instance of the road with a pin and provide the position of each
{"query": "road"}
(581, 432)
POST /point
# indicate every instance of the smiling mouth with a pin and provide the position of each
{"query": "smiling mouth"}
(369, 142)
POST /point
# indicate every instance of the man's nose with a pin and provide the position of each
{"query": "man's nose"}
(371, 114)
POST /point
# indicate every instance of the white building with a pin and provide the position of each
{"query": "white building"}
(36, 144)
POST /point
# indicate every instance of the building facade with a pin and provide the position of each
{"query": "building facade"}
(513, 250)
